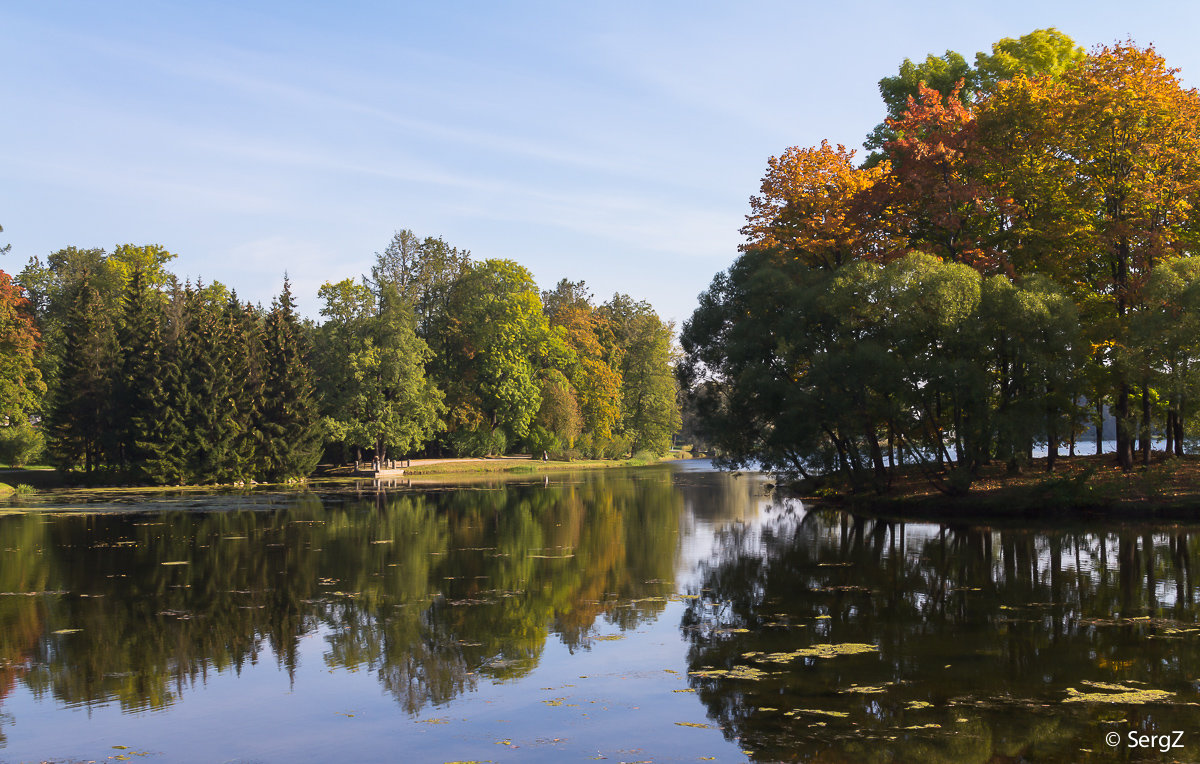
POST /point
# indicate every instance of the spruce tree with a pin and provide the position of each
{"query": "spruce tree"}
(208, 381)
(291, 443)
(139, 342)
(80, 409)
(167, 436)
(246, 364)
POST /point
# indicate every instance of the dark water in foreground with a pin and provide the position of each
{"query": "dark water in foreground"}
(649, 615)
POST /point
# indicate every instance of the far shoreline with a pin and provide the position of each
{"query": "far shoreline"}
(1080, 488)
(42, 478)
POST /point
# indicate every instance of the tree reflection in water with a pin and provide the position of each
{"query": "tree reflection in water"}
(982, 634)
(428, 590)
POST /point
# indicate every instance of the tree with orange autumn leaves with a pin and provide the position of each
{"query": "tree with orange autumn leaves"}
(810, 207)
(818, 206)
(20, 381)
(1076, 179)
(1105, 163)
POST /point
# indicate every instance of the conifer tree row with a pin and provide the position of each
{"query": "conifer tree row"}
(176, 384)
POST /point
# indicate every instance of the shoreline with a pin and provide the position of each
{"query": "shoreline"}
(1080, 488)
(47, 480)
(490, 465)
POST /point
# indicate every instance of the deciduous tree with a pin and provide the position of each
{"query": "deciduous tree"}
(21, 386)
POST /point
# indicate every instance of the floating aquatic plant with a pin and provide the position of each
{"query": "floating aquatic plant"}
(1116, 693)
(737, 672)
(816, 651)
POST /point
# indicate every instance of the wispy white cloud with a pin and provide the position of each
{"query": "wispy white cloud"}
(104, 178)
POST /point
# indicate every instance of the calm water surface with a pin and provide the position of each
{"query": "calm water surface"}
(648, 615)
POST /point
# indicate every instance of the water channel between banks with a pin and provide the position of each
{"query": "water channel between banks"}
(655, 614)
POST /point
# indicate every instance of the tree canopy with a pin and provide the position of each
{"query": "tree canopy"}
(155, 381)
(1010, 259)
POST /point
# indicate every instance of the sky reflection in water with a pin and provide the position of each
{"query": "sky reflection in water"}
(544, 620)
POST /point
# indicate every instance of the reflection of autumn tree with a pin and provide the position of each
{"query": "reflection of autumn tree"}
(426, 590)
(21, 612)
(979, 631)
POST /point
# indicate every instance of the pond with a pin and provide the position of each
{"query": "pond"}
(657, 614)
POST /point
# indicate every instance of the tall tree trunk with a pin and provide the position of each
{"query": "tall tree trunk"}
(938, 422)
(1099, 427)
(1120, 283)
(843, 462)
(881, 474)
(1145, 444)
(1124, 436)
(1170, 430)
(1178, 433)
(1051, 441)
(891, 447)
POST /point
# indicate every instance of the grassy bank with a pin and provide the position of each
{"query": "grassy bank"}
(1080, 486)
(508, 464)
(45, 478)
(34, 476)
(519, 467)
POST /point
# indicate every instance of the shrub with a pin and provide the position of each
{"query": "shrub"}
(616, 447)
(468, 443)
(541, 440)
(21, 444)
(497, 442)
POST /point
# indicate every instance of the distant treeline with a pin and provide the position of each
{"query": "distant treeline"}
(119, 370)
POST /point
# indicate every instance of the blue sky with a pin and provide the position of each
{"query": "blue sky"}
(612, 142)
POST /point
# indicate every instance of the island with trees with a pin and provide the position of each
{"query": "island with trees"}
(118, 372)
(1016, 257)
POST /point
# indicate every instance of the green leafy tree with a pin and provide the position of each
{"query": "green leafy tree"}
(1041, 52)
(815, 372)
(377, 393)
(1167, 330)
(496, 338)
(348, 309)
(52, 287)
(559, 420)
(595, 377)
(421, 271)
(53, 284)
(650, 404)
(1038, 354)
